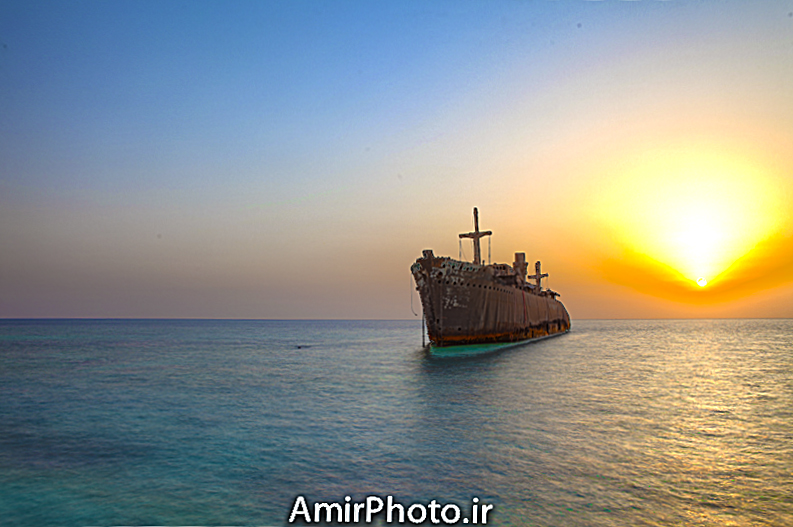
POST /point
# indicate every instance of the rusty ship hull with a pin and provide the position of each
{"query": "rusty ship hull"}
(470, 303)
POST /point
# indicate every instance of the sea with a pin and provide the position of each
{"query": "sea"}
(241, 422)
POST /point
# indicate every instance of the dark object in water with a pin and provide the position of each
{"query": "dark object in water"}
(468, 303)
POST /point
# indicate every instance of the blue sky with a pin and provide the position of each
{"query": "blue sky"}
(291, 159)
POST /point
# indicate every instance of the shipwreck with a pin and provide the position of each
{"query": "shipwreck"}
(474, 303)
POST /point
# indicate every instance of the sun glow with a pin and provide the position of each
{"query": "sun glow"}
(696, 214)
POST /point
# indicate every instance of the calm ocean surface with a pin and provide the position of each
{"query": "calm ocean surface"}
(151, 422)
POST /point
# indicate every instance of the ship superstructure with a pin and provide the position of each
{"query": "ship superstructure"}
(477, 303)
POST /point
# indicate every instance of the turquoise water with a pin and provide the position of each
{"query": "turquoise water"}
(134, 422)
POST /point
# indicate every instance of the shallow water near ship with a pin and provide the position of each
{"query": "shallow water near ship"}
(169, 422)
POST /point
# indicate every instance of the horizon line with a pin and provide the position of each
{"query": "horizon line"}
(360, 319)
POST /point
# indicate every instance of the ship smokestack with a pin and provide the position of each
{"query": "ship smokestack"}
(520, 265)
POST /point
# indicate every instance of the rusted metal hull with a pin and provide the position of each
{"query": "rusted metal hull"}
(465, 303)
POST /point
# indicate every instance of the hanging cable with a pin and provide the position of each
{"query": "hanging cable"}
(410, 284)
(488, 250)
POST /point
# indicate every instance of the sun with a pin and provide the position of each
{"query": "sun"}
(697, 214)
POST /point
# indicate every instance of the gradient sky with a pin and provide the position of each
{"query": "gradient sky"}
(292, 159)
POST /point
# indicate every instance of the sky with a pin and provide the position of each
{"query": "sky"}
(292, 159)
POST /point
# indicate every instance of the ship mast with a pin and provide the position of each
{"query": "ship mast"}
(476, 235)
(538, 276)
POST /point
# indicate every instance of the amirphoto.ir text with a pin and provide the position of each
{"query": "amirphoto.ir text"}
(374, 507)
